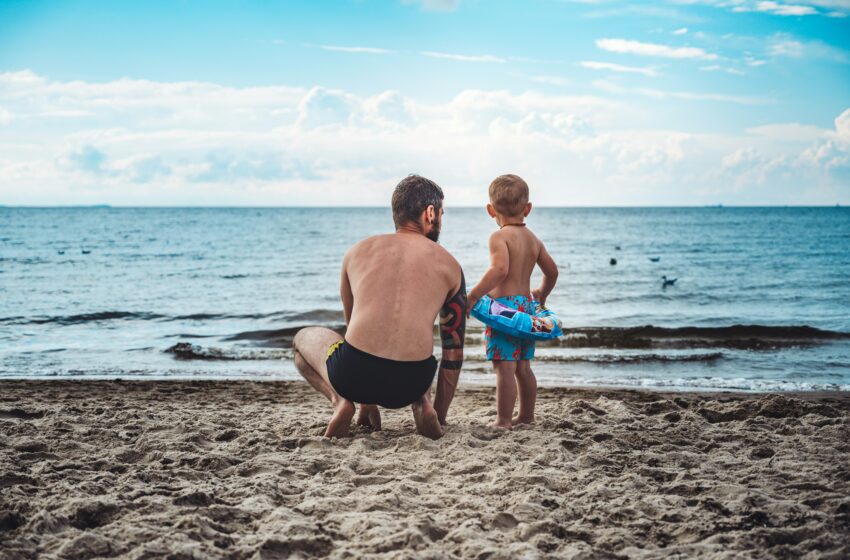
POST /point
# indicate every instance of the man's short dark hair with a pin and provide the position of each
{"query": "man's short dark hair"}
(412, 196)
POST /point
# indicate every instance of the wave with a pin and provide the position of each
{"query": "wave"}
(281, 338)
(303, 318)
(80, 318)
(744, 337)
(188, 351)
(631, 358)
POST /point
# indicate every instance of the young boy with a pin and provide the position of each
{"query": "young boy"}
(514, 250)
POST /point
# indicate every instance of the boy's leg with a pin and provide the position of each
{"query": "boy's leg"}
(527, 385)
(505, 392)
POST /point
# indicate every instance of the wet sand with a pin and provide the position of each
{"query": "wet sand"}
(223, 469)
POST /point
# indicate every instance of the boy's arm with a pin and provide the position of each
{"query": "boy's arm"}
(550, 275)
(452, 333)
(499, 266)
(345, 292)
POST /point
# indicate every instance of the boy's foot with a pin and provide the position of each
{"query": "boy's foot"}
(517, 420)
(369, 416)
(426, 420)
(340, 423)
(501, 425)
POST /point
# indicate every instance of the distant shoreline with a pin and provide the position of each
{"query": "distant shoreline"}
(536, 206)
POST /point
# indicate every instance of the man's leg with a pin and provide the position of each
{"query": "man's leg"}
(425, 418)
(527, 385)
(505, 392)
(369, 416)
(311, 347)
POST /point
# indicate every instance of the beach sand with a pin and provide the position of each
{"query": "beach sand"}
(220, 469)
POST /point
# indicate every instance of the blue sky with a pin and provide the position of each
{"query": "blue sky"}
(595, 103)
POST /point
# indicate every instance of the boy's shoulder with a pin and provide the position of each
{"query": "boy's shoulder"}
(512, 232)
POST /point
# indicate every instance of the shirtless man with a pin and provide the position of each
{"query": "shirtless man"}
(393, 286)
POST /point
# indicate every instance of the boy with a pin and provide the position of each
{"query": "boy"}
(514, 250)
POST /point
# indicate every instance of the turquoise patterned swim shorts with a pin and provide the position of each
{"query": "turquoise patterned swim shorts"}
(501, 346)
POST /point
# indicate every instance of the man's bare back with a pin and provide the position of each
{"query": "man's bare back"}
(398, 284)
(392, 289)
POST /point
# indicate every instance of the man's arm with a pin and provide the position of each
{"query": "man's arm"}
(345, 292)
(452, 333)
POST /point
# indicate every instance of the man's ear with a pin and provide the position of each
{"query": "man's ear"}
(527, 210)
(430, 214)
(491, 210)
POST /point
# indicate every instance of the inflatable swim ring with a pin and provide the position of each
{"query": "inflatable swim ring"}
(543, 325)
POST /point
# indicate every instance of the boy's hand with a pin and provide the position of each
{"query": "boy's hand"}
(471, 300)
(537, 295)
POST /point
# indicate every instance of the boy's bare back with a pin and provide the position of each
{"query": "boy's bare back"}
(521, 250)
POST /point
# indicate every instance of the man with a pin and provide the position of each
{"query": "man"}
(393, 287)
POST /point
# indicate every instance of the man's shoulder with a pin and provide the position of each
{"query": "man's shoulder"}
(368, 242)
(446, 258)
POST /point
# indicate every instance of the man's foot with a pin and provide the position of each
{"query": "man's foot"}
(426, 420)
(522, 420)
(502, 425)
(369, 416)
(340, 424)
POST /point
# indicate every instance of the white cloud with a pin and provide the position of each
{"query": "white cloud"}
(625, 46)
(551, 80)
(836, 8)
(680, 31)
(435, 5)
(776, 8)
(357, 50)
(615, 88)
(784, 44)
(718, 68)
(145, 142)
(464, 57)
(793, 132)
(610, 66)
(786, 48)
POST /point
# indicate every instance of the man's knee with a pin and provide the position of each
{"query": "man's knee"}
(302, 338)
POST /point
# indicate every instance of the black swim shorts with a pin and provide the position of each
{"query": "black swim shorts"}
(366, 379)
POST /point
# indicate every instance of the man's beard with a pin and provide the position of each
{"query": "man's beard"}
(434, 234)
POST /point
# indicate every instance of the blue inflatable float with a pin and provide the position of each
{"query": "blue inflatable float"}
(543, 325)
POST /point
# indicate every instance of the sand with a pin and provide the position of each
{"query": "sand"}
(239, 470)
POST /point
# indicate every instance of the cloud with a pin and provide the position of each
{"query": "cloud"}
(85, 158)
(830, 8)
(610, 66)
(680, 31)
(324, 107)
(356, 50)
(435, 5)
(551, 80)
(777, 8)
(624, 46)
(659, 94)
(147, 142)
(464, 57)
(786, 45)
(718, 68)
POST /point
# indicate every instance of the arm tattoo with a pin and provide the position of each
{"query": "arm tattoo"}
(453, 327)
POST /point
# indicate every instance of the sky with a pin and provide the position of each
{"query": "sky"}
(261, 103)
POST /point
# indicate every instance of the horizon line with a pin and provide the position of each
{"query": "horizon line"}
(294, 207)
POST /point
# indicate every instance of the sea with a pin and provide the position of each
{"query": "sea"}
(761, 300)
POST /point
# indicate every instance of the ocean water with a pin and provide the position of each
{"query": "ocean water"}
(762, 300)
